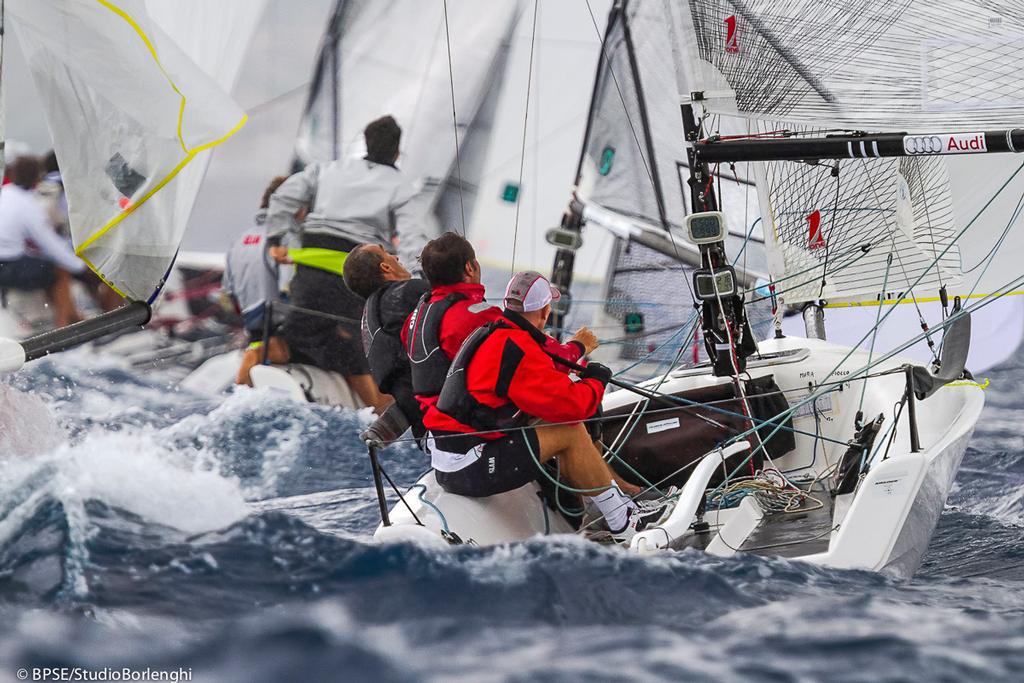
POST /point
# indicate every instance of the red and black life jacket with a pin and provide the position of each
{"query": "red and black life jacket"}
(458, 402)
(423, 344)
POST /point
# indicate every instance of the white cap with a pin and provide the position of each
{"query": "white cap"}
(529, 291)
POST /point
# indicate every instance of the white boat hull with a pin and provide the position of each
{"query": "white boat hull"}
(306, 383)
(884, 525)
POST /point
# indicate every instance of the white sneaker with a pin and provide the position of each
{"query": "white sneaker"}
(644, 515)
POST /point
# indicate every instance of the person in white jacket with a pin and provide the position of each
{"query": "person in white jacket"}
(32, 255)
(350, 202)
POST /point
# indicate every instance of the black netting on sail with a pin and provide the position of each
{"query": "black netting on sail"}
(837, 225)
(906, 64)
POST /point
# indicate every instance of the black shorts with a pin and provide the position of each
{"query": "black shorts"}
(27, 272)
(505, 464)
(326, 343)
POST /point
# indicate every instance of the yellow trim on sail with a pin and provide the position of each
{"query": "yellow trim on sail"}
(190, 153)
(152, 50)
(911, 299)
(969, 383)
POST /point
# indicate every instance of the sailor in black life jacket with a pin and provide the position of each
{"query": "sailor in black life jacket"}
(483, 437)
(391, 294)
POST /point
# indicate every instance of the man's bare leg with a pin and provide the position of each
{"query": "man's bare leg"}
(576, 438)
(578, 458)
(276, 350)
(64, 311)
(585, 469)
(367, 391)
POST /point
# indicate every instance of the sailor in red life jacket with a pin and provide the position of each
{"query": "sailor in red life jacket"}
(500, 382)
(453, 309)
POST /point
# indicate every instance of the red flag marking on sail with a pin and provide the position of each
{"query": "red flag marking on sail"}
(815, 240)
(731, 43)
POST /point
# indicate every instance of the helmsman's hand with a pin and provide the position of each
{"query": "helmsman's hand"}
(279, 254)
(587, 338)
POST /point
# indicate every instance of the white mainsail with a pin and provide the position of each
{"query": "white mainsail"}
(128, 112)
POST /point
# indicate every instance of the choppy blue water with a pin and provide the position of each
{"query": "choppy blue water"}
(134, 531)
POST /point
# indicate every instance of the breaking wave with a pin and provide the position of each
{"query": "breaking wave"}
(143, 526)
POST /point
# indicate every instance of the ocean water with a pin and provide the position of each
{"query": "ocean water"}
(147, 528)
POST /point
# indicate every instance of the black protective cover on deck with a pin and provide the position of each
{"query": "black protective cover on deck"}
(665, 439)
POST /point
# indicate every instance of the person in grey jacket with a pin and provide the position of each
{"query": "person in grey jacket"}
(350, 201)
(251, 282)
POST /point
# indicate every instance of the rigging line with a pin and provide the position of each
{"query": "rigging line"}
(645, 405)
(874, 332)
(455, 118)
(942, 325)
(835, 214)
(992, 254)
(935, 262)
(526, 118)
(998, 192)
(927, 213)
(740, 391)
(746, 215)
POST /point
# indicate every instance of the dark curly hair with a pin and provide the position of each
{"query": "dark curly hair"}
(444, 259)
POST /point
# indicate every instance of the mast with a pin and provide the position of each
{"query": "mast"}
(728, 338)
(572, 219)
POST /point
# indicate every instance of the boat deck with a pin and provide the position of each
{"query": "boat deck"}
(782, 534)
(792, 534)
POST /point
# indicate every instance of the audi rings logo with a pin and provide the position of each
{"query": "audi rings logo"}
(923, 144)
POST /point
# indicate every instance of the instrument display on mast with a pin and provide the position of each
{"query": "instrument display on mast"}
(706, 227)
(708, 285)
(564, 239)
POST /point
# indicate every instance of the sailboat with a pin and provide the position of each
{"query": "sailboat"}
(133, 120)
(837, 454)
(452, 74)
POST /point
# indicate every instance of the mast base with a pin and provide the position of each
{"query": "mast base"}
(814, 321)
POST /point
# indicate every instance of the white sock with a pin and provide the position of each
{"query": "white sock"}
(614, 505)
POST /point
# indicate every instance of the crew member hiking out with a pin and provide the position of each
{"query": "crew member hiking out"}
(501, 381)
(454, 309)
(251, 281)
(391, 295)
(350, 201)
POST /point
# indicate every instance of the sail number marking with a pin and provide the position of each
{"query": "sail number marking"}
(951, 143)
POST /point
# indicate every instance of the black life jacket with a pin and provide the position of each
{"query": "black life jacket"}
(383, 316)
(458, 402)
(423, 344)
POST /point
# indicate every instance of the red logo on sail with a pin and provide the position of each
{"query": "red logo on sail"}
(815, 240)
(731, 43)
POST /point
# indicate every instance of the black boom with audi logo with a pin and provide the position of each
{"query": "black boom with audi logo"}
(787, 147)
